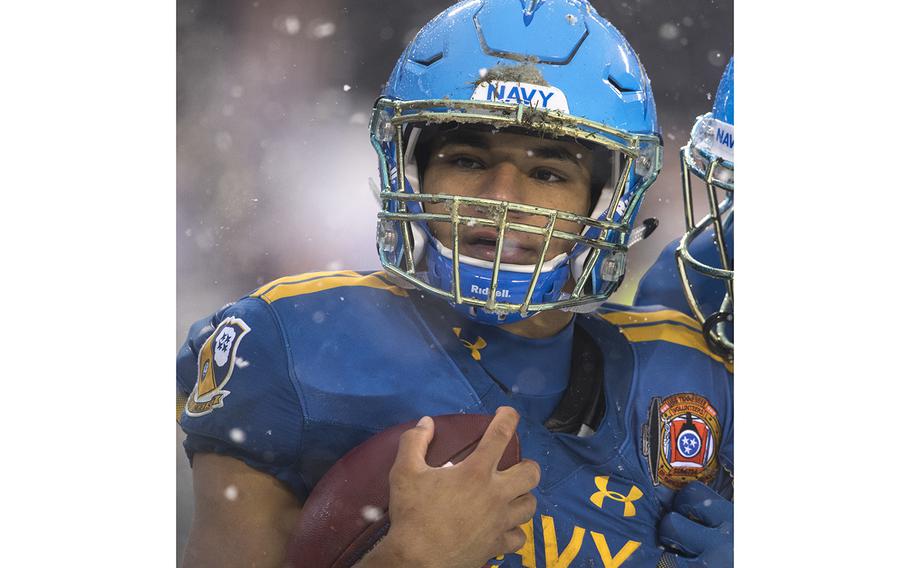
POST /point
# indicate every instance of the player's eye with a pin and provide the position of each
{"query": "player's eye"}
(547, 175)
(467, 162)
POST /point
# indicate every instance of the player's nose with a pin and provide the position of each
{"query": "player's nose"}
(503, 182)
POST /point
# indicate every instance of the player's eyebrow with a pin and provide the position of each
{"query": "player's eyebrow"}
(478, 140)
(463, 137)
(556, 152)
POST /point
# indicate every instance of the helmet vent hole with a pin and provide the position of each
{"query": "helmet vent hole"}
(619, 87)
(427, 61)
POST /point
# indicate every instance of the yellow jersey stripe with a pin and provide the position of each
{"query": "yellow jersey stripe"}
(321, 284)
(299, 278)
(181, 403)
(673, 334)
(634, 318)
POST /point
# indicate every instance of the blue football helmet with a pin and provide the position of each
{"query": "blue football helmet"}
(551, 68)
(709, 156)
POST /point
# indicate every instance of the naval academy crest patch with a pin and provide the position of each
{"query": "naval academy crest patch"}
(680, 440)
(215, 366)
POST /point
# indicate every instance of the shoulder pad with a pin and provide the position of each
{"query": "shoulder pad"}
(313, 282)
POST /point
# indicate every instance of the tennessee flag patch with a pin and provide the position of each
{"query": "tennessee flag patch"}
(215, 366)
(681, 439)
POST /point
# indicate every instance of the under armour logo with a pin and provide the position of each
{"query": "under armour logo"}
(475, 347)
(598, 498)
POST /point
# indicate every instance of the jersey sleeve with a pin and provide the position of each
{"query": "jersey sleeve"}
(240, 397)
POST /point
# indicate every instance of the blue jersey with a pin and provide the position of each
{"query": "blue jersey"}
(291, 377)
(661, 284)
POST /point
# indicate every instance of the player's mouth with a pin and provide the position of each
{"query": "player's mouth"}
(481, 244)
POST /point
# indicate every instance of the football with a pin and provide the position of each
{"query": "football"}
(347, 512)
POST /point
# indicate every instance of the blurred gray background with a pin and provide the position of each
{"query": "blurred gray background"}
(273, 159)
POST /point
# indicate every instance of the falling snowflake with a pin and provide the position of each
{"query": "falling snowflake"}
(371, 513)
(346, 88)
(291, 25)
(668, 31)
(716, 58)
(238, 436)
(230, 492)
(321, 29)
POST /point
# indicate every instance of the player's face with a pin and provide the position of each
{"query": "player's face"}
(510, 167)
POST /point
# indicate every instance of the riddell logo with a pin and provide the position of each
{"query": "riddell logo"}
(475, 289)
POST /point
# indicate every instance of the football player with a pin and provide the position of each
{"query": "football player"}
(694, 274)
(515, 143)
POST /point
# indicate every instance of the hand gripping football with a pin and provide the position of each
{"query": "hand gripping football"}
(347, 512)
